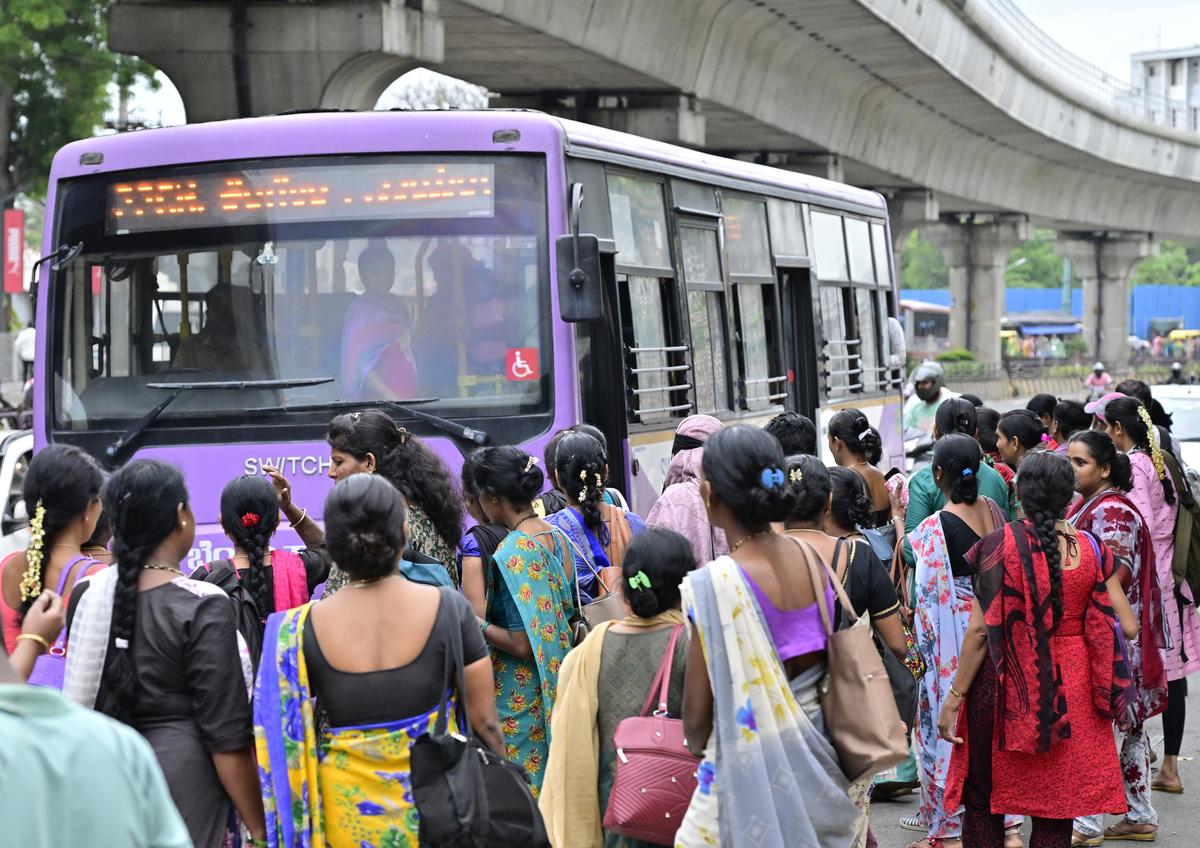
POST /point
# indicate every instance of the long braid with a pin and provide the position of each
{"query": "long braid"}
(256, 576)
(1045, 526)
(250, 515)
(1045, 487)
(143, 499)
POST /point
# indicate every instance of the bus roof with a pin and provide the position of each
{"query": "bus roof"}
(332, 133)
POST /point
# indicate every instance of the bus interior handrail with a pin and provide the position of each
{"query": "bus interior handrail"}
(674, 349)
(661, 369)
(676, 408)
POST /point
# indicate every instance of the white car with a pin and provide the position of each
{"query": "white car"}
(16, 449)
(1183, 403)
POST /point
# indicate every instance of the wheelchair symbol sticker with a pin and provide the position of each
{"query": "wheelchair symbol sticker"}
(521, 363)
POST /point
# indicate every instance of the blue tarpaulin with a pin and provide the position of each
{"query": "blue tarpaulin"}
(1050, 329)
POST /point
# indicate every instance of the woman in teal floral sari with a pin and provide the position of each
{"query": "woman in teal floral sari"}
(530, 593)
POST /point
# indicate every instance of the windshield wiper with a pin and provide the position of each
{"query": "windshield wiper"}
(460, 431)
(117, 451)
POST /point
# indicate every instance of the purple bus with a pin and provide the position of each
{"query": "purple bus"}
(221, 290)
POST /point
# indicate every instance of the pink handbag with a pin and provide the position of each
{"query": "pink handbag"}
(655, 772)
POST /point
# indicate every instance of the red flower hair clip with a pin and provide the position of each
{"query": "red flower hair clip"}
(250, 519)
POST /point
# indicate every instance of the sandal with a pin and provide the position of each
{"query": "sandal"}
(1160, 785)
(1078, 839)
(913, 822)
(1121, 831)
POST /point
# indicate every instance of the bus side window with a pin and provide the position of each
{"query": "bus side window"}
(744, 223)
(707, 321)
(654, 359)
(839, 310)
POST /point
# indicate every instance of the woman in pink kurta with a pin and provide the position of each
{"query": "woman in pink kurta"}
(1128, 422)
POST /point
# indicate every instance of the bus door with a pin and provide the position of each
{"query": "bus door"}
(800, 343)
(602, 374)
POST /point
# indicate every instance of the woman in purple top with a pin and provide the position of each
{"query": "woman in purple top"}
(755, 663)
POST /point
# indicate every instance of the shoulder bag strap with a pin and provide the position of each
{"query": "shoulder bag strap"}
(662, 678)
(453, 674)
(810, 555)
(842, 575)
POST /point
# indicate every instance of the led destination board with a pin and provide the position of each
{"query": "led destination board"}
(355, 192)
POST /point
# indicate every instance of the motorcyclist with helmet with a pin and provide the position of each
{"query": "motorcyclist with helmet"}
(929, 392)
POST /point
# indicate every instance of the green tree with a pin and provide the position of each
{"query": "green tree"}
(1033, 264)
(1176, 264)
(922, 265)
(54, 84)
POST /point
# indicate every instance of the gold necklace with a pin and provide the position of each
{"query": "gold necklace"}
(154, 566)
(370, 581)
(746, 539)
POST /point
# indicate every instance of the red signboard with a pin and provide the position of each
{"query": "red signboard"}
(521, 363)
(14, 251)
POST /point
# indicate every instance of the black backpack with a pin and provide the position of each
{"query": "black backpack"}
(249, 623)
(467, 795)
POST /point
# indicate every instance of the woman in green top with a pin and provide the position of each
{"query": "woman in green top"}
(924, 497)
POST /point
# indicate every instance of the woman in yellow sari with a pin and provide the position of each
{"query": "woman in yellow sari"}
(375, 657)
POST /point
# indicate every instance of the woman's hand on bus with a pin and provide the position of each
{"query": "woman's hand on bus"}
(283, 489)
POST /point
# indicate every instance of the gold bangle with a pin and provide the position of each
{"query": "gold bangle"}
(33, 637)
(957, 694)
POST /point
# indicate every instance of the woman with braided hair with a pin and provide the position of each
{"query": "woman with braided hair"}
(62, 494)
(162, 653)
(275, 580)
(599, 532)
(1103, 477)
(1129, 424)
(1042, 682)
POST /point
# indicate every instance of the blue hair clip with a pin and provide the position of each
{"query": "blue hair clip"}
(771, 477)
(967, 472)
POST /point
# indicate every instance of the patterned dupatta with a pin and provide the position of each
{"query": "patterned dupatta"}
(1013, 587)
(289, 579)
(352, 787)
(1110, 509)
(941, 609)
(770, 776)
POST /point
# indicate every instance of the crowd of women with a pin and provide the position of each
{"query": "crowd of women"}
(1029, 590)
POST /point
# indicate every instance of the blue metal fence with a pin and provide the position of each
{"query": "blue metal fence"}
(1146, 302)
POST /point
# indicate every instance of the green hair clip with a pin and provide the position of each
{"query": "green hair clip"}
(639, 581)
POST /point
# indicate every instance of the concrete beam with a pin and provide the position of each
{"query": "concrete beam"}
(977, 253)
(673, 118)
(827, 166)
(277, 56)
(908, 210)
(1104, 263)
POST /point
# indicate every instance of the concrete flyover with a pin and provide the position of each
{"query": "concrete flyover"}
(956, 109)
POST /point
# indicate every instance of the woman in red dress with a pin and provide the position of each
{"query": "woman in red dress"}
(1042, 670)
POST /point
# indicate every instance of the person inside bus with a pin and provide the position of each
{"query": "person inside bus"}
(469, 323)
(228, 342)
(377, 356)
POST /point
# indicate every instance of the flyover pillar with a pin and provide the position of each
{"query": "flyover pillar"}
(258, 57)
(976, 252)
(1104, 263)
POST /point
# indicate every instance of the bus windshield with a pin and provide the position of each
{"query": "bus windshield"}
(443, 297)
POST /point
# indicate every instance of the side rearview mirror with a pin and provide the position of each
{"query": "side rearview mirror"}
(578, 261)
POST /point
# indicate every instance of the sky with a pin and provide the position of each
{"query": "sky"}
(1104, 32)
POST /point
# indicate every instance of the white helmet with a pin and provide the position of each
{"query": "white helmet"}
(1099, 366)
